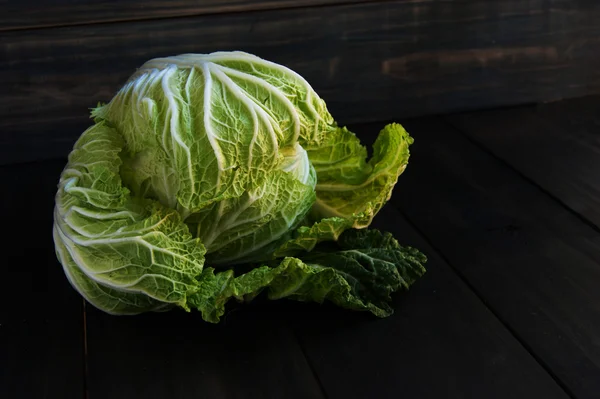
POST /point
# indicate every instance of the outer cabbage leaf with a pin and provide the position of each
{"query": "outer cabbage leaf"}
(305, 238)
(123, 254)
(346, 183)
(360, 275)
(109, 300)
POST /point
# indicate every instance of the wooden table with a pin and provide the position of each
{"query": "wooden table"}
(505, 203)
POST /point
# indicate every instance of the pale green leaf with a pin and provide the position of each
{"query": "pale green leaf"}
(348, 184)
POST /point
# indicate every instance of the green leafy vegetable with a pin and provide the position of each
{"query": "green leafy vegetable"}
(202, 162)
(360, 274)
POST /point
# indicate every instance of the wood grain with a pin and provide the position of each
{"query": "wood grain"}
(27, 14)
(556, 145)
(532, 261)
(251, 354)
(368, 61)
(442, 341)
(41, 326)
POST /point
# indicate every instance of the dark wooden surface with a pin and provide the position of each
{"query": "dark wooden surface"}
(41, 321)
(28, 14)
(557, 145)
(442, 342)
(369, 61)
(526, 255)
(441, 331)
(252, 354)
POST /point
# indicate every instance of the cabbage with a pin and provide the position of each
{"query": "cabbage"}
(205, 164)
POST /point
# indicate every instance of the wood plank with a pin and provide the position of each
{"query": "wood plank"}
(27, 14)
(557, 145)
(368, 61)
(442, 342)
(251, 354)
(41, 326)
(534, 263)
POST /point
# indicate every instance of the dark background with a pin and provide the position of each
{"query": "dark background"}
(502, 193)
(370, 60)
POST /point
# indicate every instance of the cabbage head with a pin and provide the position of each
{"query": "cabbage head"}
(216, 176)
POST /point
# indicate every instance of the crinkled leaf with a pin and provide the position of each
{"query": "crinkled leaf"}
(241, 229)
(346, 183)
(360, 275)
(305, 238)
(123, 254)
(201, 128)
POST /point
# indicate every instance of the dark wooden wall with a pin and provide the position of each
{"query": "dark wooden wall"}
(370, 60)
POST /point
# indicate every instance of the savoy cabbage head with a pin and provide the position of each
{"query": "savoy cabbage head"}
(202, 162)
